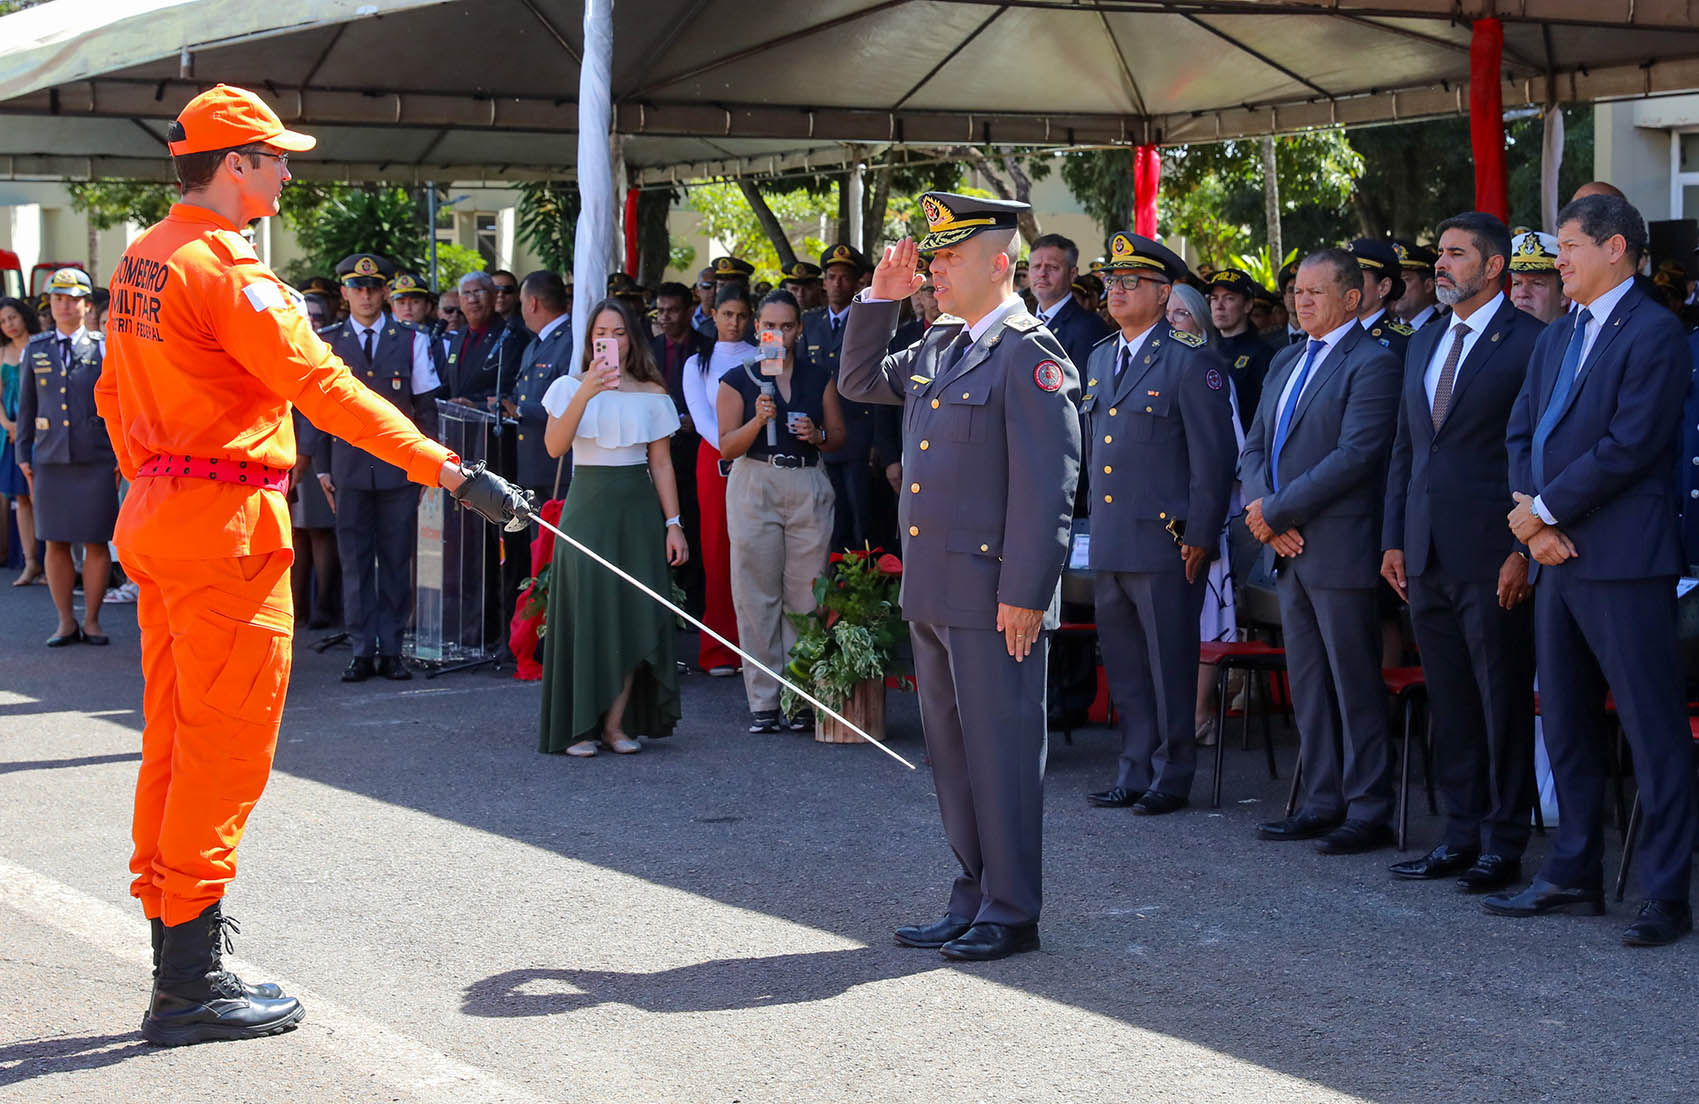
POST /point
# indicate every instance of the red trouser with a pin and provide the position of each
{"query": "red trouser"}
(216, 653)
(716, 561)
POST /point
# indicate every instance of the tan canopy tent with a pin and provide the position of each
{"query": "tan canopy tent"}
(440, 89)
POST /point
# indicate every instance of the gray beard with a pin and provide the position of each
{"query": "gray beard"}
(1451, 296)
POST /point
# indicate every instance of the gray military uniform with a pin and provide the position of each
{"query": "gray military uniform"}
(1161, 453)
(376, 506)
(983, 523)
(64, 439)
(542, 363)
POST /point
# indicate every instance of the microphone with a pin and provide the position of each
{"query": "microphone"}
(768, 390)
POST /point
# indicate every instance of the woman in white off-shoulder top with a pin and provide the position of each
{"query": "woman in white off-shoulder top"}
(608, 670)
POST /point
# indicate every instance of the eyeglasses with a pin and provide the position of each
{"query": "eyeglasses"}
(1179, 312)
(1129, 281)
(282, 159)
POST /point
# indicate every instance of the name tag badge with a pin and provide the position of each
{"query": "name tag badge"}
(920, 379)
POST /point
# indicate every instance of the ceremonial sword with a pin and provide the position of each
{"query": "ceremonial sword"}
(747, 658)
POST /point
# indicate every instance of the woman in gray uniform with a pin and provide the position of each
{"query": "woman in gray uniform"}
(65, 453)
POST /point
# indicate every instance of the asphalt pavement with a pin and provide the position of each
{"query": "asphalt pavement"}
(468, 920)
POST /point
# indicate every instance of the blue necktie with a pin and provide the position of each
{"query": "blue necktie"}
(1561, 387)
(1285, 423)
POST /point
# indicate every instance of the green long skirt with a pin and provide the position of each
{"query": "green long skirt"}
(600, 627)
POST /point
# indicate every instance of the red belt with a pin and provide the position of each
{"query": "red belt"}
(245, 472)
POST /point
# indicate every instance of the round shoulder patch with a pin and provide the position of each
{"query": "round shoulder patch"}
(1048, 375)
(1212, 379)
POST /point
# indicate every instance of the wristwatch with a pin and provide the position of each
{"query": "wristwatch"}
(676, 520)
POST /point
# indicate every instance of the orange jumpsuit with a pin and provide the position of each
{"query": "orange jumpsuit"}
(206, 350)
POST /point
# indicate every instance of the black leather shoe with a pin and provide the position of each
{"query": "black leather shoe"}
(1442, 862)
(58, 640)
(1301, 827)
(984, 942)
(266, 989)
(933, 935)
(393, 668)
(1543, 897)
(196, 1000)
(1118, 798)
(1490, 872)
(1355, 837)
(1156, 803)
(359, 669)
(1659, 923)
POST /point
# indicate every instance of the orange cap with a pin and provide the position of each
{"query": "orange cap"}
(224, 117)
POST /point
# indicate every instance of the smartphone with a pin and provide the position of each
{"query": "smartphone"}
(772, 353)
(606, 351)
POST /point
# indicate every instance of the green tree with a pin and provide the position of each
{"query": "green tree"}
(1213, 194)
(455, 261)
(332, 221)
(728, 219)
(1523, 139)
(547, 220)
(110, 203)
(1102, 180)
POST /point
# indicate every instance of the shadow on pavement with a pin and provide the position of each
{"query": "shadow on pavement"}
(56, 764)
(32, 1058)
(723, 984)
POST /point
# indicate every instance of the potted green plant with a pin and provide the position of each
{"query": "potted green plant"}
(850, 643)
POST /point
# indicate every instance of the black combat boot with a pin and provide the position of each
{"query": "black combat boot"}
(196, 1000)
(263, 989)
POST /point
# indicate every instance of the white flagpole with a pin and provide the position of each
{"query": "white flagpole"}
(747, 658)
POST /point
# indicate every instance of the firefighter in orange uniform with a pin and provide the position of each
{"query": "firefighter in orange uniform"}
(208, 350)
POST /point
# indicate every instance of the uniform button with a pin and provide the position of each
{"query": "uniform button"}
(914, 488)
(985, 548)
(964, 394)
(1161, 516)
(1109, 498)
(1113, 412)
(522, 436)
(935, 404)
(1696, 461)
(924, 445)
(1107, 469)
(914, 530)
(1693, 494)
(1108, 440)
(1147, 410)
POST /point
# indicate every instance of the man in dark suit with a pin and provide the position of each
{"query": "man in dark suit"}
(1052, 267)
(1593, 442)
(1467, 590)
(673, 346)
(1162, 448)
(483, 358)
(1312, 467)
(991, 453)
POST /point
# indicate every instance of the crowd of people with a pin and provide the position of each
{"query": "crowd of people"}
(1349, 439)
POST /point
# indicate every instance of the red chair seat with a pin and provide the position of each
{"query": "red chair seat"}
(1213, 652)
(1400, 679)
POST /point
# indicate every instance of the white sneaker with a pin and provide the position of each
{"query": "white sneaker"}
(116, 596)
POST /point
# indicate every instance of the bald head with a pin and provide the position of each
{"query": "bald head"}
(1597, 188)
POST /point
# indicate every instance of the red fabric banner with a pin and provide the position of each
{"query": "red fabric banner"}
(630, 266)
(1147, 178)
(1486, 118)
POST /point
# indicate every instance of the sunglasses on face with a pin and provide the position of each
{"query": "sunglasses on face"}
(450, 310)
(506, 289)
(705, 284)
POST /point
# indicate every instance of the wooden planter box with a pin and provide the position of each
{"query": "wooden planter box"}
(866, 707)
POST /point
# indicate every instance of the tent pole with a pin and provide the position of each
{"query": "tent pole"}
(431, 218)
(593, 241)
(857, 194)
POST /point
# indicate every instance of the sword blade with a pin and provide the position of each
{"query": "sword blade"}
(747, 658)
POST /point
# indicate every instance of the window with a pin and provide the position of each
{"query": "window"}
(1684, 174)
(488, 239)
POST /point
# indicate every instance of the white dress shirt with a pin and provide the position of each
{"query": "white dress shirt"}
(1600, 310)
(1472, 327)
(552, 325)
(424, 376)
(1423, 317)
(702, 389)
(1128, 348)
(1329, 341)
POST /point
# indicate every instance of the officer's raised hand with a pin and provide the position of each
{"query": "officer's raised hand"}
(491, 497)
(895, 277)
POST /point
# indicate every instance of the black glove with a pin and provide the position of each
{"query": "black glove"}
(493, 498)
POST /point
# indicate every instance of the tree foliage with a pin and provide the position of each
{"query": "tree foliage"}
(728, 220)
(110, 203)
(547, 220)
(333, 220)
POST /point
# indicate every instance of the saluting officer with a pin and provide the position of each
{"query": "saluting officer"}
(866, 426)
(543, 305)
(986, 526)
(1247, 352)
(65, 453)
(376, 507)
(1161, 451)
(1383, 285)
